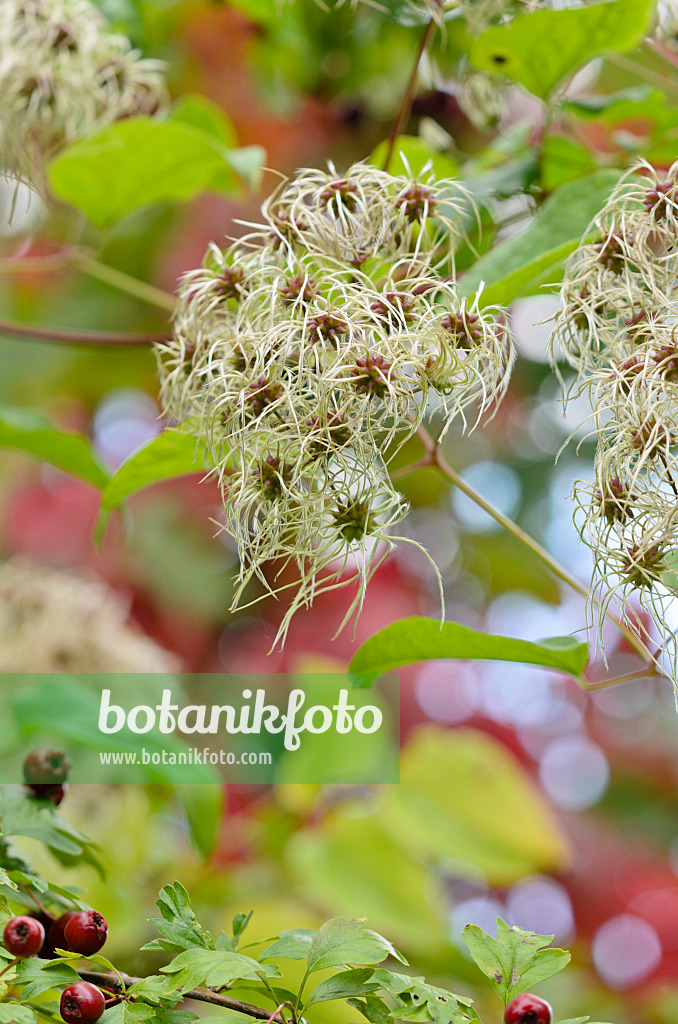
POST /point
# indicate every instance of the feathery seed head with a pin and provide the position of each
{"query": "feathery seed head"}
(63, 75)
(305, 387)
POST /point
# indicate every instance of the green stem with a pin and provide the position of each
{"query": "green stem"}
(641, 673)
(272, 994)
(10, 965)
(640, 71)
(301, 992)
(408, 96)
(124, 282)
(437, 461)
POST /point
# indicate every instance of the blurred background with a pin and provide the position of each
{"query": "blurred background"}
(535, 801)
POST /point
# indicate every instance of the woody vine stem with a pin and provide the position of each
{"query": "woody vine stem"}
(201, 995)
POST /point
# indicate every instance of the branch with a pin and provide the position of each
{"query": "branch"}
(201, 995)
(435, 460)
(76, 337)
(408, 96)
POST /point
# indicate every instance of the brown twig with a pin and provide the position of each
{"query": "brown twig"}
(408, 96)
(201, 995)
(72, 336)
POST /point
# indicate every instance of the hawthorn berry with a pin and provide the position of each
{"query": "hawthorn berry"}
(48, 791)
(81, 1003)
(86, 932)
(528, 1009)
(56, 938)
(46, 767)
(23, 936)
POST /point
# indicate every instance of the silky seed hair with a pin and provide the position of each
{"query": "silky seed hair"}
(63, 75)
(618, 329)
(308, 351)
(55, 620)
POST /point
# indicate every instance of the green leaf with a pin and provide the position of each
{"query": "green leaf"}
(203, 807)
(154, 989)
(292, 945)
(171, 454)
(67, 708)
(522, 264)
(178, 925)
(37, 820)
(373, 1009)
(128, 1013)
(542, 48)
(29, 432)
(6, 880)
(342, 985)
(516, 960)
(343, 940)
(39, 976)
(199, 112)
(417, 639)
(338, 863)
(240, 922)
(417, 152)
(472, 822)
(195, 967)
(13, 1013)
(418, 1001)
(578, 1020)
(564, 160)
(138, 162)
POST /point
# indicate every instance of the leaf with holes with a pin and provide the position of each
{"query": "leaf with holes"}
(516, 960)
(418, 1001)
(542, 48)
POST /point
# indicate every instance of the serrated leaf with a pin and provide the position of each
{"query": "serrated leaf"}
(40, 975)
(171, 454)
(128, 1013)
(195, 967)
(28, 431)
(155, 989)
(340, 986)
(6, 880)
(516, 960)
(13, 1013)
(417, 639)
(178, 925)
(373, 1009)
(416, 1000)
(293, 944)
(343, 940)
(240, 922)
(36, 820)
(523, 263)
(540, 49)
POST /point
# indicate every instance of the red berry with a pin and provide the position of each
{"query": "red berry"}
(86, 932)
(528, 1009)
(56, 938)
(81, 1003)
(46, 766)
(24, 936)
(48, 791)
